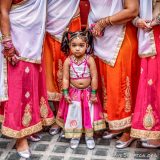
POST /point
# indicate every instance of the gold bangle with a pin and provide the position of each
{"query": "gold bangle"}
(109, 20)
(6, 36)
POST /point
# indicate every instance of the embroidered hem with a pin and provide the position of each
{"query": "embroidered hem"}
(54, 96)
(137, 133)
(1, 118)
(120, 124)
(26, 131)
(113, 60)
(99, 125)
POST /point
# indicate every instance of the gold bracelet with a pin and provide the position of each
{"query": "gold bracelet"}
(109, 20)
(6, 36)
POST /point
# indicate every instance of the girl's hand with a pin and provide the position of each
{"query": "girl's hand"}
(68, 99)
(143, 24)
(93, 98)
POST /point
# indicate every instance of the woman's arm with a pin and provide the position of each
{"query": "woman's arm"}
(5, 7)
(129, 12)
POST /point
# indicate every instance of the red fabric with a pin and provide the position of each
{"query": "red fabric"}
(84, 11)
(16, 1)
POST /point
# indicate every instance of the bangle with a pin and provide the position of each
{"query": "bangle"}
(6, 37)
(93, 91)
(109, 20)
(65, 91)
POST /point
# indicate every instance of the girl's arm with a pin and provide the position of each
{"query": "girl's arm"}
(94, 74)
(66, 74)
(5, 7)
(129, 12)
(94, 79)
(66, 80)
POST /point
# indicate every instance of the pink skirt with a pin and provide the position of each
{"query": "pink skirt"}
(27, 109)
(146, 117)
(81, 116)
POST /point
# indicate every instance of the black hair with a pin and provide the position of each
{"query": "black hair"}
(68, 36)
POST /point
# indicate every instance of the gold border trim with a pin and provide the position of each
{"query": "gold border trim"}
(121, 39)
(30, 60)
(137, 133)
(54, 96)
(27, 131)
(23, 133)
(99, 125)
(5, 98)
(18, 4)
(120, 124)
(1, 118)
(153, 46)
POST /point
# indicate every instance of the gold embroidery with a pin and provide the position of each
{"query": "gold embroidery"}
(60, 74)
(104, 93)
(128, 95)
(137, 133)
(43, 108)
(27, 117)
(54, 96)
(99, 125)
(149, 120)
(150, 82)
(120, 124)
(27, 70)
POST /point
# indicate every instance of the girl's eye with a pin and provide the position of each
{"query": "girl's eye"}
(82, 45)
(73, 45)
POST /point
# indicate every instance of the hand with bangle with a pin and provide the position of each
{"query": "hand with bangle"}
(66, 96)
(9, 51)
(100, 25)
(93, 97)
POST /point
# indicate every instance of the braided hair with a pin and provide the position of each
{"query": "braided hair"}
(69, 36)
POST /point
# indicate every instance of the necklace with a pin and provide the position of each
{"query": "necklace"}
(78, 60)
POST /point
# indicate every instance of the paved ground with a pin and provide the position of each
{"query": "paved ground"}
(56, 148)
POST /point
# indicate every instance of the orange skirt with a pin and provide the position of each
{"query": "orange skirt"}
(119, 83)
(53, 59)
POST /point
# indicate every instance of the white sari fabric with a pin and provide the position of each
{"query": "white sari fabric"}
(27, 31)
(3, 77)
(59, 15)
(146, 39)
(107, 47)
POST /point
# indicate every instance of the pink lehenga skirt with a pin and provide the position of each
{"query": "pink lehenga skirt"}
(81, 116)
(27, 109)
(146, 117)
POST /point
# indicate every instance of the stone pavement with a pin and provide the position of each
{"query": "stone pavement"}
(56, 148)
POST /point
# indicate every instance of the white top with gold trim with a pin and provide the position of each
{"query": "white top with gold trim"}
(146, 39)
(28, 29)
(107, 47)
(60, 13)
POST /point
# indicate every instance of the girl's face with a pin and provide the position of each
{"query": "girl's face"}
(78, 47)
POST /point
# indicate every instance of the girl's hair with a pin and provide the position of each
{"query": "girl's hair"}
(69, 36)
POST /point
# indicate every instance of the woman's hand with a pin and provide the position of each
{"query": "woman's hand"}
(144, 24)
(98, 27)
(9, 52)
(93, 98)
(68, 99)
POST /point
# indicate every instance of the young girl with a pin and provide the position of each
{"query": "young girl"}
(80, 108)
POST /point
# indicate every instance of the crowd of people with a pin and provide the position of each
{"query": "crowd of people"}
(78, 81)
